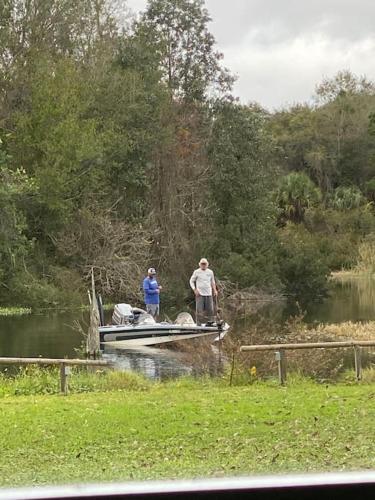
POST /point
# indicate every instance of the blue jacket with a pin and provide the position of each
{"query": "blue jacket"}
(151, 287)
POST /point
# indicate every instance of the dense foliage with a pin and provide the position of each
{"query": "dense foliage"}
(121, 146)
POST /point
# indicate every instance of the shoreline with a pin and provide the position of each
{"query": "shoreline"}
(350, 274)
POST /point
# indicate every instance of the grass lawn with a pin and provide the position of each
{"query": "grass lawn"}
(186, 429)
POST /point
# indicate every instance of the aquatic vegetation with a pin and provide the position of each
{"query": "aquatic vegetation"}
(347, 330)
(106, 307)
(366, 255)
(14, 311)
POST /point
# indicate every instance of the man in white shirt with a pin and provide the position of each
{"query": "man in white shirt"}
(203, 284)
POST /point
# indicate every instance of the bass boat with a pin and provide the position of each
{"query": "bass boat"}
(136, 327)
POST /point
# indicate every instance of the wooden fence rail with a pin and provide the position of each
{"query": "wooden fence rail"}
(281, 356)
(64, 364)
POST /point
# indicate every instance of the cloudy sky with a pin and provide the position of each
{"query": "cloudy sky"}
(280, 49)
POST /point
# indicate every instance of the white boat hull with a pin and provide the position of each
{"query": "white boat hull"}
(141, 342)
(117, 333)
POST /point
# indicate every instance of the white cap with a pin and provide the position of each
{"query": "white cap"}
(151, 271)
(203, 261)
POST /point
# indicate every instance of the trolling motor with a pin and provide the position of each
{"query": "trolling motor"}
(219, 322)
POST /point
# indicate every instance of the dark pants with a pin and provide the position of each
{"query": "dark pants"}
(204, 308)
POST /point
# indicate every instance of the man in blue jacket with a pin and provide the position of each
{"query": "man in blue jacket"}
(151, 290)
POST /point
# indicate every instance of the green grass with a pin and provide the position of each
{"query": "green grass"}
(14, 311)
(186, 429)
(35, 380)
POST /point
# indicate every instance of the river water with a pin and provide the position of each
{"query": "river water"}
(53, 334)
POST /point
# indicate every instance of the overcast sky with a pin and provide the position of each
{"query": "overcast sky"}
(280, 49)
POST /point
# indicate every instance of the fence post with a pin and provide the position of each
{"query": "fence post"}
(281, 361)
(232, 369)
(358, 362)
(64, 372)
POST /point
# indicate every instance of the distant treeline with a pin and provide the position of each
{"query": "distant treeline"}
(122, 146)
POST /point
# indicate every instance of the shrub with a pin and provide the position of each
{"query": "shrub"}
(303, 267)
(370, 190)
(257, 269)
(339, 233)
(347, 198)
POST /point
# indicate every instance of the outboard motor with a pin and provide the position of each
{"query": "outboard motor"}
(122, 314)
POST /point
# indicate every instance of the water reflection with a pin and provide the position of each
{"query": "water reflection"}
(157, 364)
(351, 298)
(47, 335)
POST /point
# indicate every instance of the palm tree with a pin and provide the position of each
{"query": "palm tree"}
(347, 198)
(296, 192)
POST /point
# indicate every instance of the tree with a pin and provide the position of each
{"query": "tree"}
(128, 103)
(343, 84)
(331, 142)
(117, 251)
(35, 29)
(60, 27)
(178, 29)
(15, 186)
(241, 183)
(172, 42)
(346, 101)
(303, 266)
(299, 145)
(294, 194)
(58, 143)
